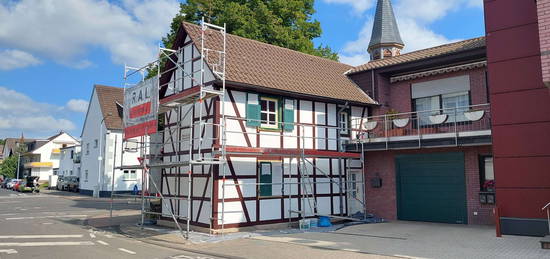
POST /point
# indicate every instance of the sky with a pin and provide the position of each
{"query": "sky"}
(52, 52)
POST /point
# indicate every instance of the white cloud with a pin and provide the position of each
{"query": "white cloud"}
(77, 105)
(13, 59)
(359, 6)
(64, 30)
(413, 20)
(19, 113)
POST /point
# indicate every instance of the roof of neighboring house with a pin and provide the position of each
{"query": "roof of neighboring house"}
(385, 29)
(257, 64)
(442, 50)
(12, 142)
(109, 99)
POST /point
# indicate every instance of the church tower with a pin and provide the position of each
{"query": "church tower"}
(385, 40)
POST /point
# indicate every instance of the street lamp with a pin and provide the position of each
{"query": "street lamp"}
(100, 157)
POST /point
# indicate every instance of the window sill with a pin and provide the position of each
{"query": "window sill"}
(270, 129)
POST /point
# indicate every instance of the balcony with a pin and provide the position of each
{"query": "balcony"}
(461, 126)
(38, 164)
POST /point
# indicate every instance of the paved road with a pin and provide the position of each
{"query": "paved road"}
(52, 226)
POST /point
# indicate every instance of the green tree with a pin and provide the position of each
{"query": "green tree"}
(284, 23)
(8, 167)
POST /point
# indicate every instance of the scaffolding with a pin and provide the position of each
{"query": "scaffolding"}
(151, 148)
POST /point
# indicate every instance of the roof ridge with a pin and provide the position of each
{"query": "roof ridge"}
(287, 49)
(107, 86)
(381, 61)
(427, 49)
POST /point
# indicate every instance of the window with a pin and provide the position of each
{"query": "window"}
(353, 185)
(87, 148)
(71, 172)
(344, 123)
(85, 175)
(486, 173)
(268, 114)
(129, 175)
(72, 154)
(96, 142)
(458, 103)
(442, 104)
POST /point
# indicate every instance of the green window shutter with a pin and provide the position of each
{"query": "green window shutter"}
(288, 115)
(252, 110)
(266, 178)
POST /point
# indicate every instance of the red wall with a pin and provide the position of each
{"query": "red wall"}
(382, 201)
(543, 7)
(520, 107)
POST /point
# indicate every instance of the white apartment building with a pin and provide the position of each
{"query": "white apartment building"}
(103, 125)
(69, 163)
(43, 157)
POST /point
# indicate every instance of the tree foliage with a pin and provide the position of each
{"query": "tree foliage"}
(285, 23)
(8, 167)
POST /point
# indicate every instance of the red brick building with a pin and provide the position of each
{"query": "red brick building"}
(518, 49)
(428, 142)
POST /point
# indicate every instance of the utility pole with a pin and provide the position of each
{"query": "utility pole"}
(18, 164)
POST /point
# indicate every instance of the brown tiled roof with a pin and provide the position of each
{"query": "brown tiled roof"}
(11, 143)
(108, 97)
(259, 64)
(423, 54)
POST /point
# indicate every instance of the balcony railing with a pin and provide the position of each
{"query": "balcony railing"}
(450, 124)
(38, 164)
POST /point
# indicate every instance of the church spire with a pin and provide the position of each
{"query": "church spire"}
(385, 40)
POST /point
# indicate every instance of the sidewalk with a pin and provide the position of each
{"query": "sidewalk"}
(384, 240)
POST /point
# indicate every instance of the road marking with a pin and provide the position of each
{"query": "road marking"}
(8, 251)
(92, 235)
(47, 223)
(39, 236)
(59, 216)
(103, 243)
(28, 244)
(127, 251)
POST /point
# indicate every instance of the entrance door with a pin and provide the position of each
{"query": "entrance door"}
(431, 187)
(355, 192)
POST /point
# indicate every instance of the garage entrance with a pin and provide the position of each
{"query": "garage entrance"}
(431, 187)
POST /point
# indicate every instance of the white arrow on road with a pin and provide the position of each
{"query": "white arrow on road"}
(26, 244)
(39, 236)
(8, 251)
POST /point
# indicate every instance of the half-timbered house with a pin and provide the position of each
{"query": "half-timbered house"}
(286, 116)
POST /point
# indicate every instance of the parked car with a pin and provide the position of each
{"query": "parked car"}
(16, 185)
(27, 185)
(72, 183)
(5, 182)
(60, 183)
(11, 183)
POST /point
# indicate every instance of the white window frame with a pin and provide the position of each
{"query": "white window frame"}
(129, 175)
(344, 122)
(267, 123)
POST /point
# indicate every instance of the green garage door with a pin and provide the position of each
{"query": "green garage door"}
(431, 187)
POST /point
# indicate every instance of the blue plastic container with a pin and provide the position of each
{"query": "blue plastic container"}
(324, 222)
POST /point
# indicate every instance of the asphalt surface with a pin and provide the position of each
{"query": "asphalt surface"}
(55, 226)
